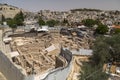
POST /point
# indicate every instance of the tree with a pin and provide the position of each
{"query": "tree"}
(114, 45)
(16, 21)
(101, 29)
(3, 18)
(106, 50)
(65, 22)
(117, 31)
(41, 22)
(12, 23)
(19, 18)
(101, 53)
(91, 22)
(90, 72)
(51, 23)
(88, 22)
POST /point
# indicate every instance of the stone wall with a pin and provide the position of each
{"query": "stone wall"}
(8, 69)
(62, 72)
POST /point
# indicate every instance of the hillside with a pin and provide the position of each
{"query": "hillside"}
(8, 11)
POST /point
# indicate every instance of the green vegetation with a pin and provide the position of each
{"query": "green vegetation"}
(3, 18)
(101, 51)
(19, 18)
(41, 22)
(85, 9)
(106, 49)
(91, 72)
(116, 31)
(52, 23)
(16, 21)
(90, 22)
(65, 22)
(12, 23)
(102, 29)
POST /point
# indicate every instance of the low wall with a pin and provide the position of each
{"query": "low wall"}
(62, 73)
(10, 71)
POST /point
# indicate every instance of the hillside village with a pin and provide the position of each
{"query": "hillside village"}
(72, 16)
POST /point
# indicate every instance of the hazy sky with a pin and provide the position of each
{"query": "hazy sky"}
(36, 5)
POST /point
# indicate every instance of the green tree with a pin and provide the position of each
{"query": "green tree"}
(0, 22)
(101, 50)
(41, 22)
(117, 31)
(106, 50)
(19, 18)
(88, 22)
(16, 21)
(90, 72)
(12, 23)
(102, 29)
(51, 23)
(65, 22)
(97, 22)
(91, 22)
(3, 18)
(114, 45)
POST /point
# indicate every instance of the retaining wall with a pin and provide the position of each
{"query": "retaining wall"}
(8, 69)
(62, 73)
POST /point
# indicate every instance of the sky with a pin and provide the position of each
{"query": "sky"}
(62, 5)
